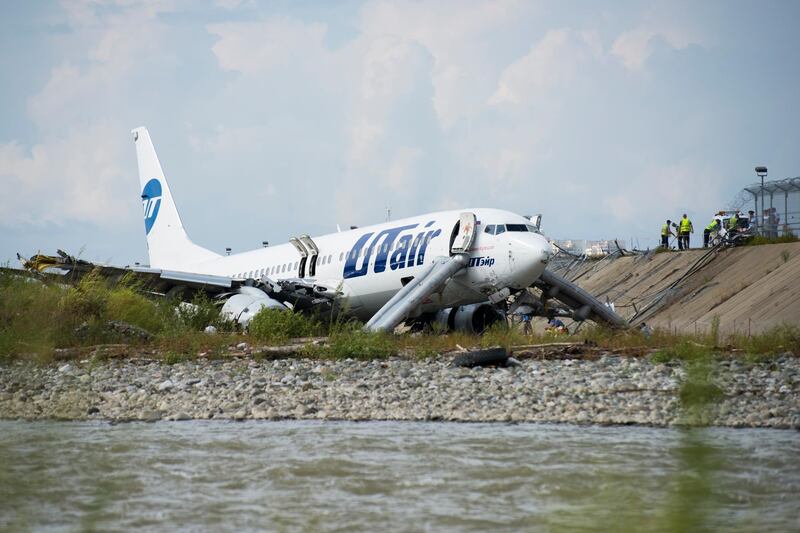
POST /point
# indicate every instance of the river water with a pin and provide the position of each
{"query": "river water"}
(342, 476)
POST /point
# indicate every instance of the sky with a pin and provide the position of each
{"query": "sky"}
(273, 119)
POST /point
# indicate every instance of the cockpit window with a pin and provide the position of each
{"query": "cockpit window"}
(500, 229)
(490, 229)
(516, 227)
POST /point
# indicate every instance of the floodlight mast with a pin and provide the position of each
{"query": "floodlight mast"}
(761, 172)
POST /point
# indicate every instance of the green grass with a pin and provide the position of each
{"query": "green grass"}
(278, 326)
(758, 240)
(683, 351)
(36, 318)
(351, 342)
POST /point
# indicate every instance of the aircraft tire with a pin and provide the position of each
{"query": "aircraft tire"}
(490, 356)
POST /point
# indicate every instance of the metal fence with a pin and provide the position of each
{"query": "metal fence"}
(776, 204)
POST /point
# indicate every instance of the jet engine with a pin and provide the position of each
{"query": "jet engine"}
(474, 318)
(246, 304)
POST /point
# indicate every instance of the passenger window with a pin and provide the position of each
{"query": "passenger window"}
(296, 264)
(341, 256)
(490, 229)
(500, 229)
(330, 258)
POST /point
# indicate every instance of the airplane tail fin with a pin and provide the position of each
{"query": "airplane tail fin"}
(167, 242)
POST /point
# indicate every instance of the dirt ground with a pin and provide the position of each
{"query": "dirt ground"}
(751, 289)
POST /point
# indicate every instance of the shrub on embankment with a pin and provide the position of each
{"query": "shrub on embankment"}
(669, 346)
(36, 318)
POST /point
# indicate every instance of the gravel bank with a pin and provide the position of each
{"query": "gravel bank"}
(610, 390)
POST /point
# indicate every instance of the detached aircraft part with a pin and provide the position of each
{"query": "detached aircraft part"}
(583, 304)
(475, 318)
(246, 303)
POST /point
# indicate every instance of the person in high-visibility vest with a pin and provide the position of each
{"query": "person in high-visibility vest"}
(733, 222)
(683, 232)
(715, 225)
(665, 234)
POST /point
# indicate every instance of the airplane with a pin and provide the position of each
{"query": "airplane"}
(457, 267)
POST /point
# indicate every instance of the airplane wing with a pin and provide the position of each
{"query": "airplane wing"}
(65, 267)
(300, 294)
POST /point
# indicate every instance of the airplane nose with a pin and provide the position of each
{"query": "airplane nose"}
(532, 253)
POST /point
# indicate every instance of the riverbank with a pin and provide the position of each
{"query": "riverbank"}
(606, 389)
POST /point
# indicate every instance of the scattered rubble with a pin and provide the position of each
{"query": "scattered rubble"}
(548, 385)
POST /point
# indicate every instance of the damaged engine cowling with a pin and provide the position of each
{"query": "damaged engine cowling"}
(246, 304)
(474, 318)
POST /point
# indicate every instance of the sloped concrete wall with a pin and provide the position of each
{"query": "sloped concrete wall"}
(750, 289)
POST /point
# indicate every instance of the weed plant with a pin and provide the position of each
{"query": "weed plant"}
(277, 326)
(36, 318)
(758, 240)
(349, 341)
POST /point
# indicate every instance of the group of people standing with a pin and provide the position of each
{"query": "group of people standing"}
(684, 229)
(736, 223)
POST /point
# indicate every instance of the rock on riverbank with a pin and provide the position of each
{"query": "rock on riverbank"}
(610, 390)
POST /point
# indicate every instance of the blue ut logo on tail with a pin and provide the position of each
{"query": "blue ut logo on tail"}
(151, 201)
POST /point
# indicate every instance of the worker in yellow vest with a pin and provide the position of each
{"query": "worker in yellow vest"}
(733, 222)
(714, 226)
(666, 232)
(684, 230)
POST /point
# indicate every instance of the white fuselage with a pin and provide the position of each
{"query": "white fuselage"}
(369, 265)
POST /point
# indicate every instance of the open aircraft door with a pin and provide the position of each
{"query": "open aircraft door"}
(301, 272)
(313, 253)
(464, 234)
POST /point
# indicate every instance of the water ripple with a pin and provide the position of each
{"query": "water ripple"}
(343, 476)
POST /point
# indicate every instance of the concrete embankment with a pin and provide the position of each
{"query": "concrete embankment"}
(608, 390)
(749, 289)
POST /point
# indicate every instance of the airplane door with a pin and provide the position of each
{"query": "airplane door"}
(466, 234)
(313, 253)
(303, 256)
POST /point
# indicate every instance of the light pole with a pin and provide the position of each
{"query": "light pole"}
(761, 172)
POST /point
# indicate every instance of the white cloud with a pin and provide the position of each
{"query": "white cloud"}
(550, 64)
(458, 36)
(75, 172)
(635, 46)
(668, 190)
(77, 177)
(256, 47)
(402, 169)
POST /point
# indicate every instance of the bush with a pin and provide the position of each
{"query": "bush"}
(202, 311)
(785, 338)
(87, 300)
(350, 341)
(683, 351)
(500, 334)
(29, 316)
(128, 306)
(760, 239)
(359, 344)
(276, 325)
